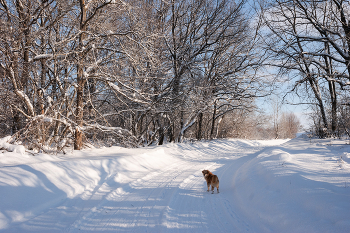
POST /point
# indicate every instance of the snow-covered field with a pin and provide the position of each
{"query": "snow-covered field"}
(265, 186)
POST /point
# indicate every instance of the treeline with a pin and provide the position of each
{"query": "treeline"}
(259, 126)
(138, 72)
(123, 72)
(309, 42)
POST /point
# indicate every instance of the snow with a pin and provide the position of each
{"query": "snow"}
(43, 56)
(117, 89)
(10, 147)
(297, 185)
(27, 101)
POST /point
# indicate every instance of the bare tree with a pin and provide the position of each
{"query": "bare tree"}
(290, 125)
(211, 50)
(124, 72)
(310, 40)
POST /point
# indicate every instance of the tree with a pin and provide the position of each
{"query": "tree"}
(309, 40)
(290, 125)
(51, 58)
(126, 73)
(213, 60)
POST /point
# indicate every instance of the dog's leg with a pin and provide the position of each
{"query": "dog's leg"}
(208, 186)
(212, 189)
(217, 188)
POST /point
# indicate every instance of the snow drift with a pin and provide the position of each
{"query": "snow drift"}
(265, 186)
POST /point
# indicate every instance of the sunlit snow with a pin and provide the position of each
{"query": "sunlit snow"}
(300, 185)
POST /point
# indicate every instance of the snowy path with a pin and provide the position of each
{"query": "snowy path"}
(157, 189)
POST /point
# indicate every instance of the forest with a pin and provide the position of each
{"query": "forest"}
(136, 73)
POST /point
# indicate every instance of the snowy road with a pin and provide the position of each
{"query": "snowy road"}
(158, 189)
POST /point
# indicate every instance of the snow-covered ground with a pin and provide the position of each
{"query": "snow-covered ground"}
(300, 185)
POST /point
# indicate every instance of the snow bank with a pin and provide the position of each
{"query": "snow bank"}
(31, 186)
(10, 147)
(297, 187)
(265, 186)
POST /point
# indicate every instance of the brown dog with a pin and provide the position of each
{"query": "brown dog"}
(212, 180)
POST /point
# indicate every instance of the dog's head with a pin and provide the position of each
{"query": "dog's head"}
(205, 172)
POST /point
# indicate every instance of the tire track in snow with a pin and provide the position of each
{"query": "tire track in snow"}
(169, 200)
(163, 190)
(206, 212)
(172, 198)
(177, 202)
(167, 191)
(226, 203)
(166, 180)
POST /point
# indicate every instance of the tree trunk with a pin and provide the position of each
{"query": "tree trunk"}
(181, 126)
(320, 103)
(213, 122)
(161, 133)
(332, 91)
(346, 27)
(171, 133)
(218, 126)
(334, 105)
(161, 136)
(199, 131)
(78, 140)
(16, 123)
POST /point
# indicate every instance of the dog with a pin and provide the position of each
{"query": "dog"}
(212, 180)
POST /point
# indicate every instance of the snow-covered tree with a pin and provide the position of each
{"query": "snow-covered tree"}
(309, 40)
